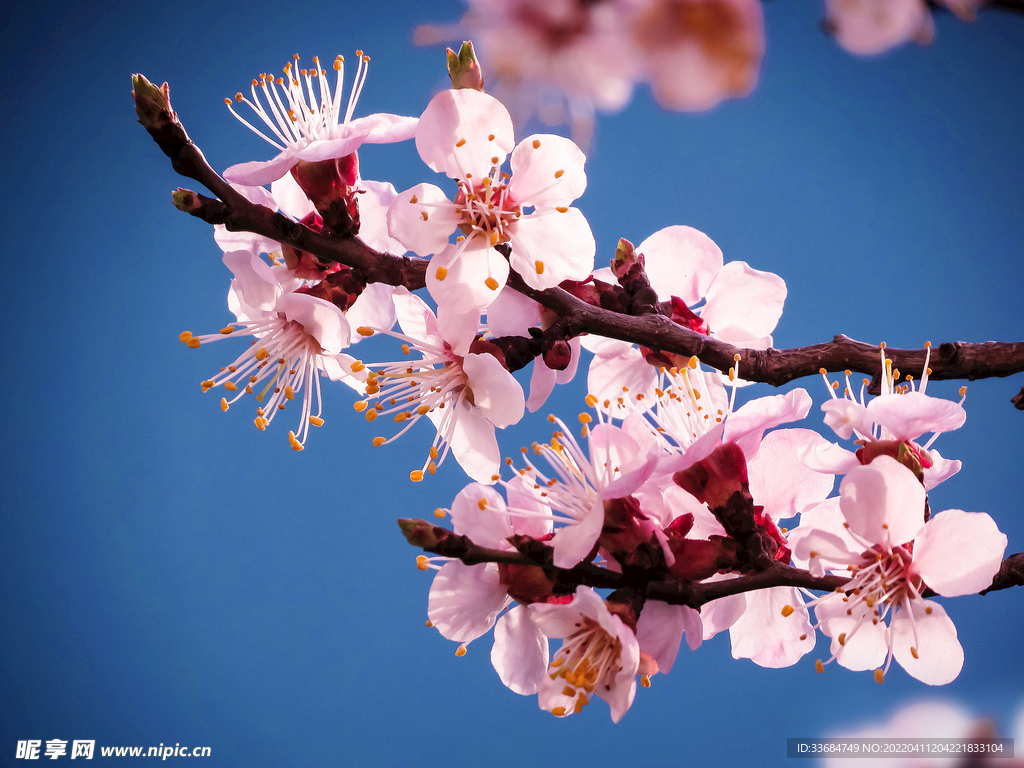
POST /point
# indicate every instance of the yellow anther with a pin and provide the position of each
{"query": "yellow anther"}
(539, 266)
(357, 366)
(228, 101)
(379, 441)
(568, 691)
(423, 410)
(461, 650)
(591, 401)
(585, 418)
(422, 563)
(207, 385)
(223, 404)
(360, 405)
(536, 143)
(490, 282)
(819, 666)
(316, 421)
(297, 446)
(645, 681)
(230, 386)
(928, 610)
(879, 676)
(882, 345)
(185, 336)
(400, 417)
(558, 711)
(227, 329)
(460, 143)
(371, 414)
(490, 137)
(562, 208)
(262, 354)
(787, 610)
(193, 343)
(433, 452)
(494, 237)
(337, 64)
(693, 362)
(424, 215)
(288, 391)
(494, 161)
(416, 475)
(364, 331)
(442, 273)
(963, 390)
(927, 344)
(842, 638)
(482, 504)
(559, 174)
(822, 371)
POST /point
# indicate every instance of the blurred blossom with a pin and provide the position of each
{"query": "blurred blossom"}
(931, 719)
(561, 60)
(869, 27)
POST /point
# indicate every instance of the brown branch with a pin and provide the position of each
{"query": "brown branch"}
(956, 360)
(441, 541)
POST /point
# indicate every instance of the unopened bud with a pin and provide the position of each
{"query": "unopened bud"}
(325, 181)
(422, 534)
(150, 101)
(625, 257)
(464, 68)
(558, 356)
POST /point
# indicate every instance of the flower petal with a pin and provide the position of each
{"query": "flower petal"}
(959, 553)
(743, 303)
(747, 424)
(258, 173)
(779, 481)
(320, 319)
(883, 502)
(465, 271)
(488, 526)
(549, 247)
(520, 651)
(572, 543)
(496, 393)
(681, 261)
(454, 115)
(767, 637)
(660, 629)
(911, 415)
(473, 443)
(423, 236)
(940, 657)
(535, 162)
(465, 600)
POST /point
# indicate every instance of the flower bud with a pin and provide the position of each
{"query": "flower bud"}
(464, 68)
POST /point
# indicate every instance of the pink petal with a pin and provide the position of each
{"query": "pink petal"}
(940, 655)
(374, 308)
(331, 149)
(255, 283)
(743, 303)
(487, 527)
(911, 415)
(522, 497)
(512, 314)
(536, 160)
(465, 600)
(621, 366)
(959, 553)
(845, 417)
(766, 637)
(681, 261)
(257, 173)
(821, 549)
(562, 242)
(660, 628)
(572, 543)
(719, 615)
(374, 202)
(291, 198)
(779, 481)
(320, 319)
(454, 115)
(405, 222)
(865, 644)
(520, 651)
(542, 383)
(870, 27)
(384, 128)
(415, 317)
(496, 393)
(883, 502)
(747, 424)
(464, 287)
(474, 445)
(827, 457)
(458, 330)
(940, 470)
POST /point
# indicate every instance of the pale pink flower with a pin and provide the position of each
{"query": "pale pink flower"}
(732, 302)
(902, 413)
(599, 654)
(307, 122)
(895, 557)
(466, 396)
(700, 52)
(869, 27)
(297, 337)
(467, 135)
(466, 600)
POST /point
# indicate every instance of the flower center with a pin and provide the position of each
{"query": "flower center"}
(583, 661)
(486, 208)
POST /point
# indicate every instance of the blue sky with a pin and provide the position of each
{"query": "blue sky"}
(170, 575)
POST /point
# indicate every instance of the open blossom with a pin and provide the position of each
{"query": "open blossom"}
(893, 556)
(599, 654)
(889, 424)
(732, 302)
(309, 123)
(296, 338)
(466, 396)
(467, 135)
(466, 600)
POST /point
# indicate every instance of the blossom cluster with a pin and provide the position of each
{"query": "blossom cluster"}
(672, 490)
